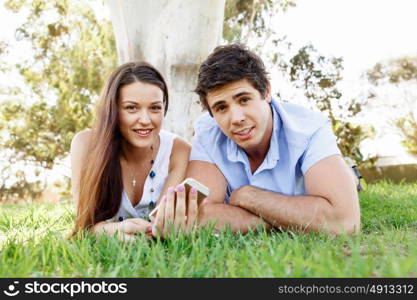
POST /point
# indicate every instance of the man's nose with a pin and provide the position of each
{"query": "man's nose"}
(238, 115)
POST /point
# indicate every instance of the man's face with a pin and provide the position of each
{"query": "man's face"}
(242, 114)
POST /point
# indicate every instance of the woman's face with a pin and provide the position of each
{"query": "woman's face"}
(141, 112)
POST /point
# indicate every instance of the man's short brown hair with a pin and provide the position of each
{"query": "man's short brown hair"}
(227, 64)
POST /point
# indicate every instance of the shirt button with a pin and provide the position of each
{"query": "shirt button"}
(120, 219)
(152, 190)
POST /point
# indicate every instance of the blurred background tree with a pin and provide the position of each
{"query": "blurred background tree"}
(250, 21)
(72, 53)
(73, 50)
(400, 73)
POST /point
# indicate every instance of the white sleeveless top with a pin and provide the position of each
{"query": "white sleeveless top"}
(153, 186)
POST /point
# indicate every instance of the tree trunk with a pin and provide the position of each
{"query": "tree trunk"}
(175, 36)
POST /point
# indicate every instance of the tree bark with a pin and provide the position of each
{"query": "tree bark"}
(175, 36)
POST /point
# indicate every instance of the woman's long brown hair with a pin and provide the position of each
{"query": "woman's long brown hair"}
(101, 185)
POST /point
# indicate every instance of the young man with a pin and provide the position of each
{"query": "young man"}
(265, 162)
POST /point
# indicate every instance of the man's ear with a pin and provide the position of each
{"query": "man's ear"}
(268, 97)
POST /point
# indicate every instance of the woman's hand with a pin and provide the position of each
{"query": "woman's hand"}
(134, 225)
(126, 229)
(173, 214)
(129, 227)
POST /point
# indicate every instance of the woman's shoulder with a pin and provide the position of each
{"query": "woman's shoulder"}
(81, 140)
(180, 152)
(181, 145)
(178, 143)
(78, 152)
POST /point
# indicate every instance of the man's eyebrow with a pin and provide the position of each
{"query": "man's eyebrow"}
(217, 104)
(238, 95)
(241, 94)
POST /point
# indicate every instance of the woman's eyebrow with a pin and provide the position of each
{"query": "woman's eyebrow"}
(129, 101)
(136, 102)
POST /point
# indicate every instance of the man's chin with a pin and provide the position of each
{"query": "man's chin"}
(244, 145)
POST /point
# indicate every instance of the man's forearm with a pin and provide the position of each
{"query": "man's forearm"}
(305, 212)
(223, 215)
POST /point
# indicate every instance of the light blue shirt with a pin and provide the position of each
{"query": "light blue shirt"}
(300, 138)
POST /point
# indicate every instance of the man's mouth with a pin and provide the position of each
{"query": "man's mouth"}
(243, 134)
(143, 132)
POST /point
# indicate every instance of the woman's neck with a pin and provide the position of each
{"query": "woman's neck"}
(134, 155)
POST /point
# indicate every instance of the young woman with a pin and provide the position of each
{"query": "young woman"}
(123, 166)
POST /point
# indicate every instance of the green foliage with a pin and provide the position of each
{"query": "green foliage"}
(73, 53)
(3, 50)
(396, 72)
(408, 127)
(21, 188)
(316, 75)
(33, 243)
(244, 17)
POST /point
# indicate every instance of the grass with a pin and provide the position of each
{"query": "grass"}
(33, 244)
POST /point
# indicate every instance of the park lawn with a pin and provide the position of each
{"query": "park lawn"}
(33, 244)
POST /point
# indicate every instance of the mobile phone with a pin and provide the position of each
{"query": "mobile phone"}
(202, 192)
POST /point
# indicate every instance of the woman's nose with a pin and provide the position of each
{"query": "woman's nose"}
(144, 118)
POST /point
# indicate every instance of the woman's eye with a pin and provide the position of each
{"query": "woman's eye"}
(130, 107)
(156, 107)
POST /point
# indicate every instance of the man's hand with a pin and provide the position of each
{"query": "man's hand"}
(331, 204)
(173, 215)
(214, 210)
(241, 195)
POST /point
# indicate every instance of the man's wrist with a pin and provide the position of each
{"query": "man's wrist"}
(243, 197)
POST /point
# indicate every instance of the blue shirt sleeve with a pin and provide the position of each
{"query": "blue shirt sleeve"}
(199, 151)
(321, 145)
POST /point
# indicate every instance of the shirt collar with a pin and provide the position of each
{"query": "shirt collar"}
(237, 154)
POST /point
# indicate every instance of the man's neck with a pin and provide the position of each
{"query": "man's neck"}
(257, 155)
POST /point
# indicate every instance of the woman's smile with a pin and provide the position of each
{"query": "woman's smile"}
(143, 132)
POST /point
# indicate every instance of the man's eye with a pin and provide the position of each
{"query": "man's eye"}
(220, 108)
(244, 100)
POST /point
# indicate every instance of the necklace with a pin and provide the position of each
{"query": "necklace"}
(151, 174)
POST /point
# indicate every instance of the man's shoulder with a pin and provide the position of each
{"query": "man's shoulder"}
(206, 127)
(204, 123)
(298, 120)
(295, 109)
(208, 133)
(295, 113)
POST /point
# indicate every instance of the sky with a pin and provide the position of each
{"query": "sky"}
(363, 32)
